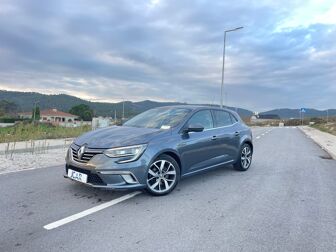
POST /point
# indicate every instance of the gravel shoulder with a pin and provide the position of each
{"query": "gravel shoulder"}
(27, 155)
(28, 161)
(325, 140)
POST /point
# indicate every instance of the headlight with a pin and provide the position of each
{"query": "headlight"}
(68, 154)
(128, 153)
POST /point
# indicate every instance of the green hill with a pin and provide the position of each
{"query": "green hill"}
(25, 101)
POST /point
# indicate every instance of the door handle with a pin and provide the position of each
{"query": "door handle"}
(213, 137)
(236, 133)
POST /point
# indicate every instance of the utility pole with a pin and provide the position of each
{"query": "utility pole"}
(327, 116)
(115, 117)
(222, 85)
(123, 111)
(35, 106)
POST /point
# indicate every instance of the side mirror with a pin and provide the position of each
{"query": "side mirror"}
(194, 128)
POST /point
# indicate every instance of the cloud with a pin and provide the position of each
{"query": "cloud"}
(171, 50)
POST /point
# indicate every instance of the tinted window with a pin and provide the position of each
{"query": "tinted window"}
(222, 118)
(233, 118)
(203, 118)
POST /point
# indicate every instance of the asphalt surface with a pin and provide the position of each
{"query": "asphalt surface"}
(285, 202)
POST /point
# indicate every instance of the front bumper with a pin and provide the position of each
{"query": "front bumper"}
(107, 179)
(106, 172)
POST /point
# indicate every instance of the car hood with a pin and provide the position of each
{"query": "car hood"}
(117, 136)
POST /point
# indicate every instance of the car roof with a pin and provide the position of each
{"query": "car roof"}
(200, 107)
(196, 107)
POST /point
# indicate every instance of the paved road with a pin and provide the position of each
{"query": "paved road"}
(285, 202)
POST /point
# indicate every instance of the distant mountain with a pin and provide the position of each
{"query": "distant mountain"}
(25, 102)
(286, 113)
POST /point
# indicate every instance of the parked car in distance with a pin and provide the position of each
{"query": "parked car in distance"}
(157, 148)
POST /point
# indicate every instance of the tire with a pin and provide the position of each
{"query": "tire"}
(245, 158)
(162, 175)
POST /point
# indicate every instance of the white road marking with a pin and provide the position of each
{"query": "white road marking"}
(89, 211)
(264, 133)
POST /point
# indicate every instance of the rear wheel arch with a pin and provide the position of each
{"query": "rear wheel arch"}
(249, 142)
(244, 159)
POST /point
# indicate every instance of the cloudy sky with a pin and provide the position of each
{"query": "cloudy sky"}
(172, 50)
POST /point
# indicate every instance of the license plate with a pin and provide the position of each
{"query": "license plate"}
(78, 176)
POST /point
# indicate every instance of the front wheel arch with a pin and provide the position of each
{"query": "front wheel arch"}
(175, 168)
(172, 153)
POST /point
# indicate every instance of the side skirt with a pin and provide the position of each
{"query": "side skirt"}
(206, 168)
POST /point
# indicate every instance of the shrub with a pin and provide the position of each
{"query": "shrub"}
(32, 131)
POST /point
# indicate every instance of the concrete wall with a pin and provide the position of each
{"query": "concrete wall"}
(74, 124)
(2, 125)
(101, 122)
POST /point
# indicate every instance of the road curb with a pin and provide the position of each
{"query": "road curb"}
(31, 169)
(37, 149)
(330, 153)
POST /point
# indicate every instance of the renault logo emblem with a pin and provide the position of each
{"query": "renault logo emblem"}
(81, 151)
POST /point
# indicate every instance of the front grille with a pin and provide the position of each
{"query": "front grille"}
(92, 177)
(86, 156)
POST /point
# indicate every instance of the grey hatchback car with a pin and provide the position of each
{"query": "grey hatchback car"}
(157, 148)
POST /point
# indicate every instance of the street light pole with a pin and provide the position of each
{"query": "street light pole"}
(222, 86)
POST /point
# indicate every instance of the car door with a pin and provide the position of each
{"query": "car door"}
(227, 135)
(197, 149)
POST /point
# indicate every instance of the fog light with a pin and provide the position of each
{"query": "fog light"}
(129, 179)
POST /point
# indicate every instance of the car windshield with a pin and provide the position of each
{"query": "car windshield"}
(158, 118)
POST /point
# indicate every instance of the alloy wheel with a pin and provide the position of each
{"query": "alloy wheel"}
(161, 176)
(246, 157)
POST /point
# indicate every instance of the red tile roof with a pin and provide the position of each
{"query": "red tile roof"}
(51, 112)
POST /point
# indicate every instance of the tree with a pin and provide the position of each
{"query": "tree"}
(36, 115)
(8, 108)
(83, 111)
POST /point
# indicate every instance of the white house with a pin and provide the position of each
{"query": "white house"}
(53, 116)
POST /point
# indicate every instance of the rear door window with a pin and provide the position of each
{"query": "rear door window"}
(233, 118)
(222, 118)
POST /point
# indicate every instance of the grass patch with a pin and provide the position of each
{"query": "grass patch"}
(329, 128)
(29, 131)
